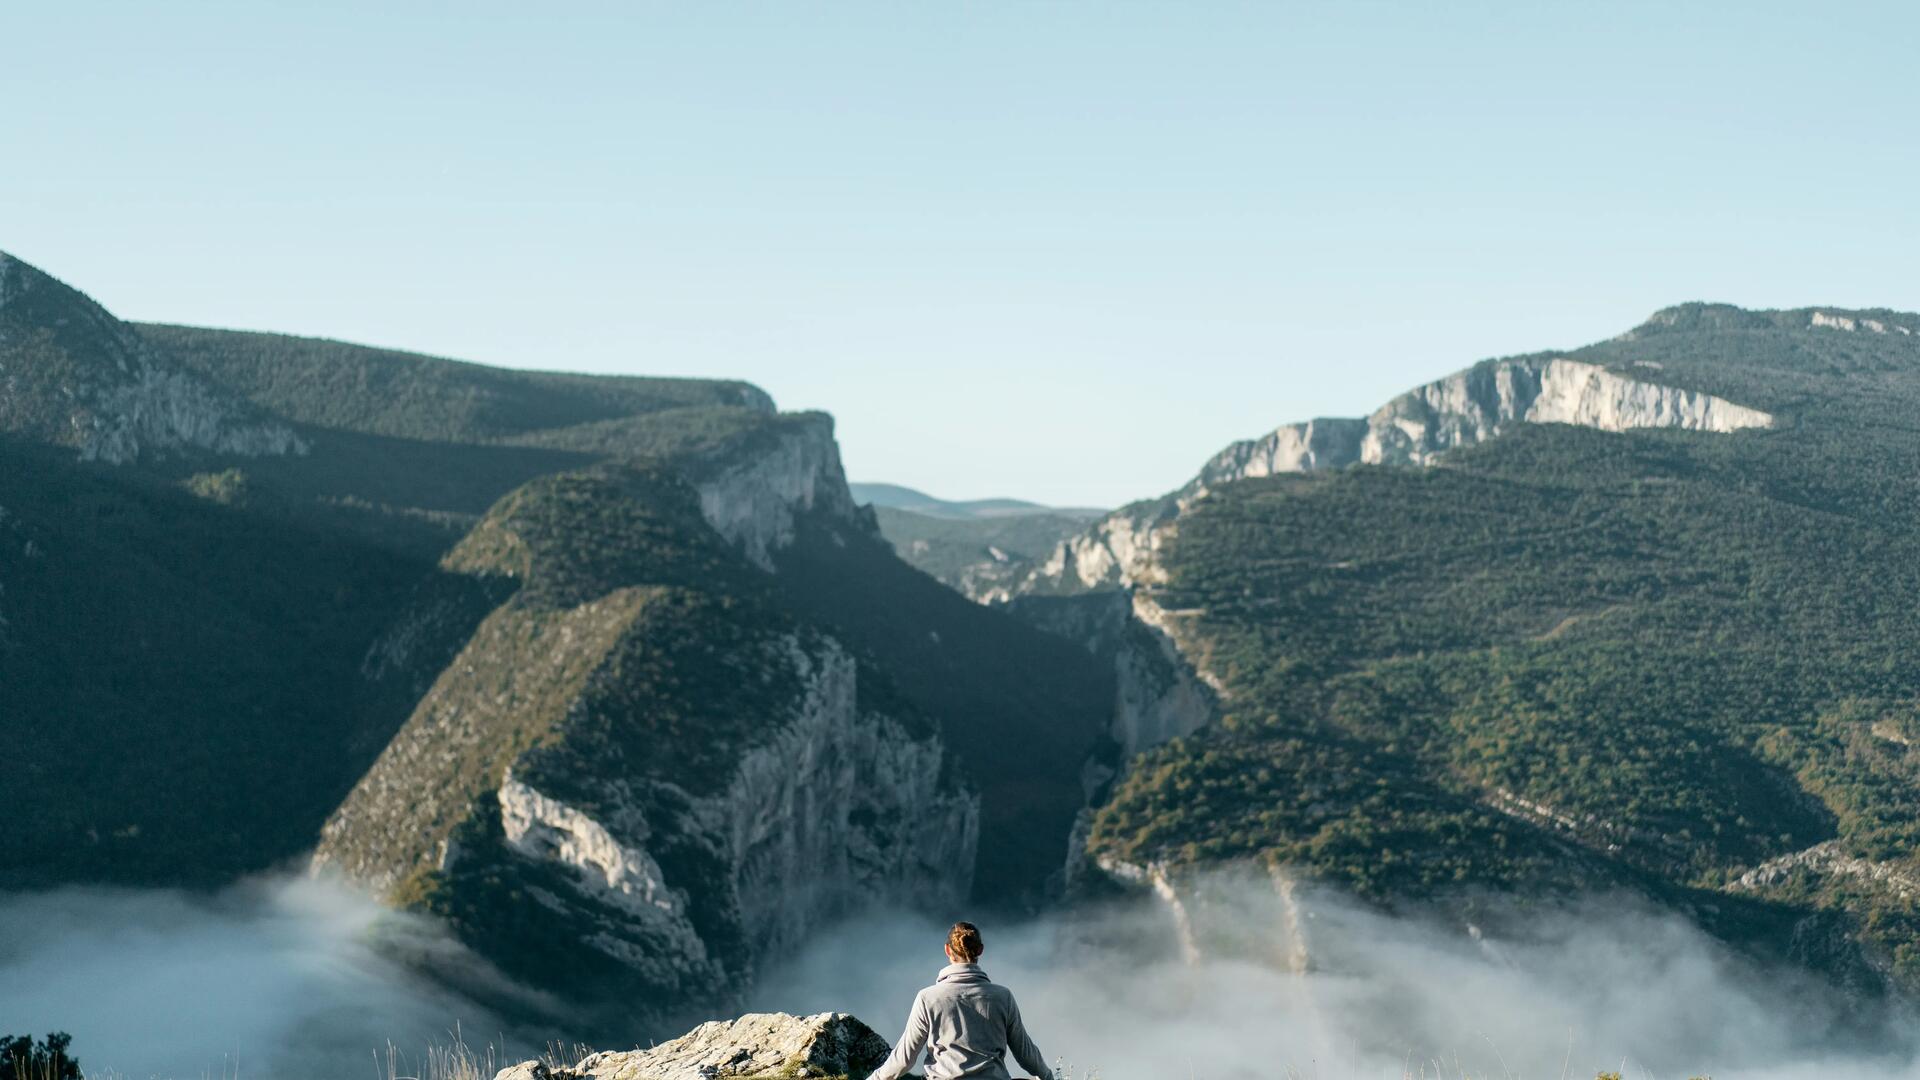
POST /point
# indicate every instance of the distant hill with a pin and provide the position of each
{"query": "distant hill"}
(896, 497)
(979, 547)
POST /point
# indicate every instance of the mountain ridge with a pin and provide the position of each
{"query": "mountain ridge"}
(900, 497)
(505, 601)
(1554, 655)
(596, 669)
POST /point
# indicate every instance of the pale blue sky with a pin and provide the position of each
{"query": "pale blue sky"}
(1055, 250)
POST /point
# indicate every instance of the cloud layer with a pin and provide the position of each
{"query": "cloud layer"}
(1570, 992)
(288, 978)
(296, 979)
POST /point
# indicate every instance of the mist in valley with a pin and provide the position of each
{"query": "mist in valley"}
(275, 978)
(1254, 985)
(298, 978)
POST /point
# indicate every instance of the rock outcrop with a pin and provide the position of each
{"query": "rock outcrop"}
(73, 375)
(1475, 405)
(757, 1046)
(1415, 428)
(1856, 323)
(755, 500)
(1828, 859)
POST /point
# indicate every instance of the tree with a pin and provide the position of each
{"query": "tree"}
(21, 1058)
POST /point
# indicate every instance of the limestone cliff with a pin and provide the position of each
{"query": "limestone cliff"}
(754, 498)
(73, 375)
(1157, 693)
(1477, 404)
(1415, 428)
(641, 769)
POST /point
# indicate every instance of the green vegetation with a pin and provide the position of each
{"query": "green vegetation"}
(973, 554)
(1569, 655)
(24, 1058)
(203, 653)
(192, 686)
(343, 387)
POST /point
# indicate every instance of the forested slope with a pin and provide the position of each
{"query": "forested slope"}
(457, 625)
(1689, 655)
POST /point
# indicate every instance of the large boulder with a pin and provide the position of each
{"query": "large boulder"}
(769, 1045)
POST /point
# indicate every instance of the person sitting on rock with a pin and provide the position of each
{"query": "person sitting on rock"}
(965, 1022)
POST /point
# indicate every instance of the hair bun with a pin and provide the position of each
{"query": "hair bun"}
(964, 940)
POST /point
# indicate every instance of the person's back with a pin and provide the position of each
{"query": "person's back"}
(966, 1022)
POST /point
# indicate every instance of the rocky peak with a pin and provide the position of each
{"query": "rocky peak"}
(757, 1045)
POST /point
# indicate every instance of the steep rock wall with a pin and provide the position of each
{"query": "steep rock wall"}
(839, 807)
(1475, 405)
(1157, 693)
(524, 777)
(753, 500)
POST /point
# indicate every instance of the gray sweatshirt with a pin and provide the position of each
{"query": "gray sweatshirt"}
(966, 1023)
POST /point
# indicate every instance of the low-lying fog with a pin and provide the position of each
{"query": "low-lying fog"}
(289, 979)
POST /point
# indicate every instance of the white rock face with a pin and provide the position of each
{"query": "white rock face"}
(1832, 321)
(1160, 695)
(114, 398)
(1415, 428)
(620, 874)
(755, 1045)
(839, 809)
(1117, 549)
(161, 409)
(753, 503)
(1475, 405)
(1827, 859)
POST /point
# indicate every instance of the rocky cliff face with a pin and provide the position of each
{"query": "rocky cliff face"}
(1157, 693)
(755, 499)
(1415, 428)
(72, 374)
(836, 808)
(1475, 405)
(665, 775)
